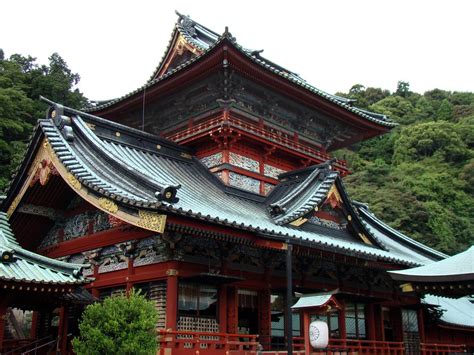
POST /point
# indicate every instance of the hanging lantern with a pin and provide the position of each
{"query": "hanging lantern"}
(319, 334)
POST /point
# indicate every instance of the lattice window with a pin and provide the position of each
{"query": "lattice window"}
(156, 292)
(197, 308)
(355, 321)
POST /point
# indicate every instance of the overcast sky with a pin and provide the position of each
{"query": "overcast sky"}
(116, 45)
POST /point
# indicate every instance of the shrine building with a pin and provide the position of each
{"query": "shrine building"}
(212, 189)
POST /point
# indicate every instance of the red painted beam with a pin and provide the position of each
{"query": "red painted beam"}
(93, 241)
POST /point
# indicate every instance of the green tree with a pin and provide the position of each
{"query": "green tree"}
(398, 108)
(427, 139)
(22, 81)
(445, 111)
(119, 325)
(419, 178)
(403, 89)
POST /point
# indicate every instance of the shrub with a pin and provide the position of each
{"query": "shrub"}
(118, 325)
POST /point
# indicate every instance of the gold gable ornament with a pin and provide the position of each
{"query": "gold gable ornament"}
(151, 221)
(298, 222)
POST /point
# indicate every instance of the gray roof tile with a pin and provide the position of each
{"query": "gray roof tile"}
(202, 195)
(29, 267)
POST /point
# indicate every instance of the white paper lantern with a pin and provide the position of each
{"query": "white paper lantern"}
(318, 334)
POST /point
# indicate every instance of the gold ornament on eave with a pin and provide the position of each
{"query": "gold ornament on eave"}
(73, 181)
(108, 205)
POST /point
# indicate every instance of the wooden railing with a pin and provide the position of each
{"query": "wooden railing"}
(215, 124)
(355, 346)
(442, 349)
(27, 345)
(183, 342)
(10, 344)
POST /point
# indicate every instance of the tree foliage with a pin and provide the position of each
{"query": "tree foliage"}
(419, 178)
(123, 325)
(22, 81)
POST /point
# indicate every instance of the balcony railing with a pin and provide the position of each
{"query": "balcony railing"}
(355, 346)
(442, 349)
(214, 125)
(183, 342)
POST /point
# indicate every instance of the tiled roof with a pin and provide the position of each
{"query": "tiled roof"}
(295, 197)
(20, 265)
(124, 164)
(395, 240)
(455, 311)
(459, 267)
(205, 40)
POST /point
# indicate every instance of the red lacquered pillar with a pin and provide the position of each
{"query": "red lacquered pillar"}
(223, 309)
(171, 299)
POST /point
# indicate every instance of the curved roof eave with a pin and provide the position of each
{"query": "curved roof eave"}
(82, 172)
(369, 217)
(373, 117)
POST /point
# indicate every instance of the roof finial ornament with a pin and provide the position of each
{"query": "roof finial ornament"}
(328, 164)
(187, 24)
(227, 34)
(179, 15)
(56, 113)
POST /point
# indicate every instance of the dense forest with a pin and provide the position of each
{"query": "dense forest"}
(419, 178)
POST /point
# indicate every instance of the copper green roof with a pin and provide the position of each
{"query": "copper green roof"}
(20, 265)
(459, 267)
(128, 169)
(458, 312)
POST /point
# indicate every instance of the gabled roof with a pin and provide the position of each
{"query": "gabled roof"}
(459, 267)
(205, 40)
(20, 265)
(135, 176)
(457, 312)
(198, 36)
(300, 192)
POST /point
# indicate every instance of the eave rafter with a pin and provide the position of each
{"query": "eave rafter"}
(42, 211)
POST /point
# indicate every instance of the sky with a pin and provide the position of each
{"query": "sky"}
(116, 45)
